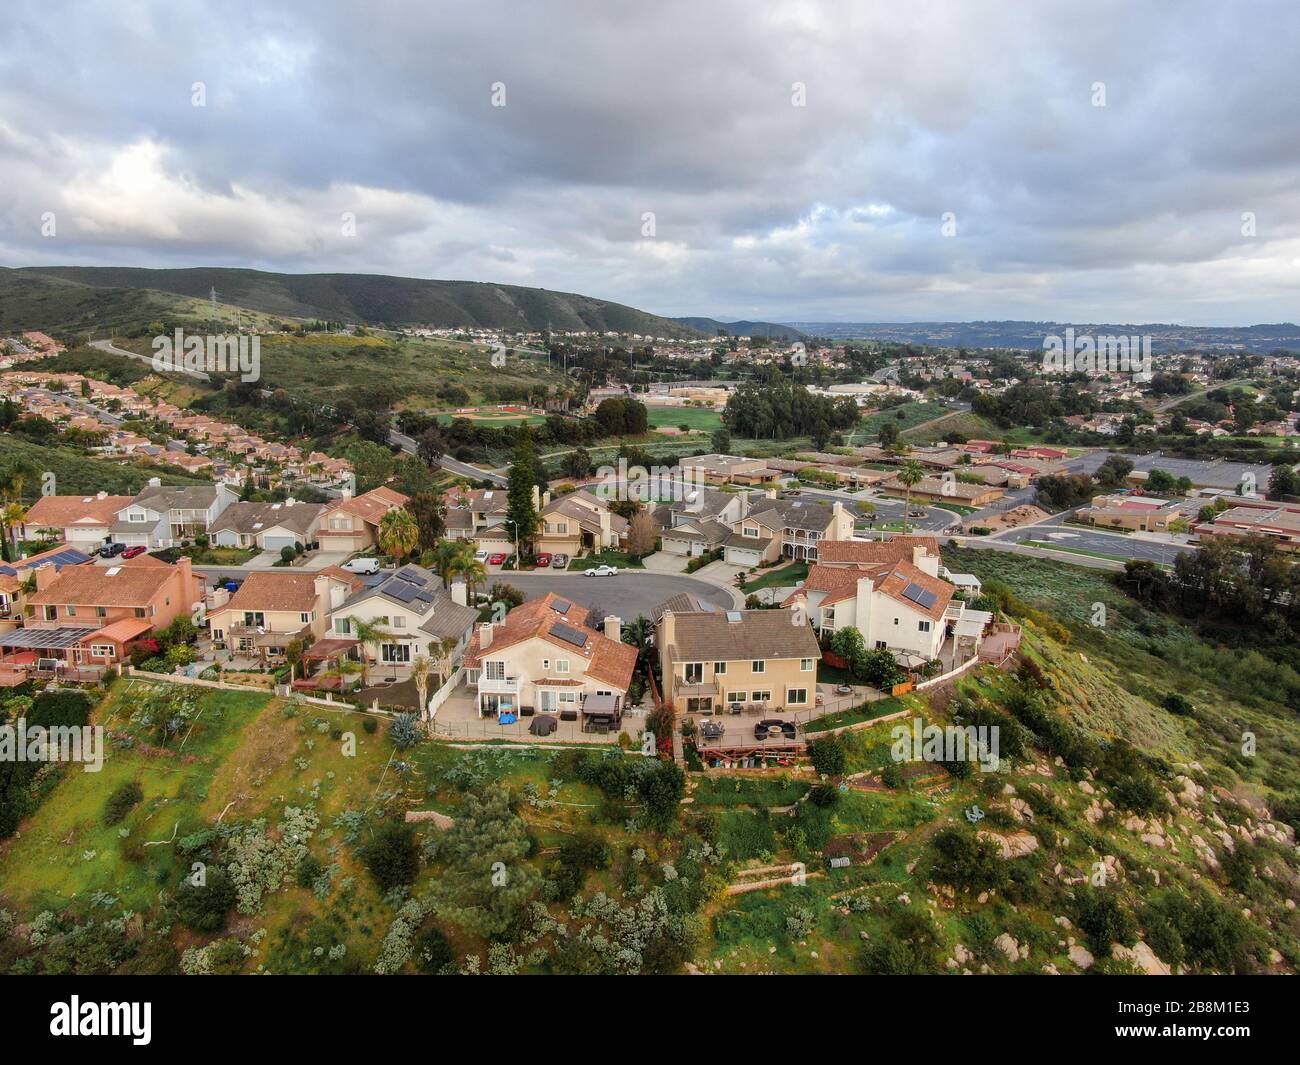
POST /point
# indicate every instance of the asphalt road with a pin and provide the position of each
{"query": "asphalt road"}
(1118, 545)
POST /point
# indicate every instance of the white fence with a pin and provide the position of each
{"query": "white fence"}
(444, 693)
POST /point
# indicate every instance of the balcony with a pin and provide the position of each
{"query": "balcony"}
(503, 685)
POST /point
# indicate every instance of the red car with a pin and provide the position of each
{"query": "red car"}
(496, 560)
(132, 552)
(543, 560)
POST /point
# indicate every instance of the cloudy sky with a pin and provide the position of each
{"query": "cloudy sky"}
(1122, 162)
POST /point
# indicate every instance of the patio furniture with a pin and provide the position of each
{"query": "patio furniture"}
(568, 715)
(736, 708)
(527, 711)
(543, 725)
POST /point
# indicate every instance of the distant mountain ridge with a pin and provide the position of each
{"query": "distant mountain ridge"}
(712, 327)
(1258, 339)
(373, 299)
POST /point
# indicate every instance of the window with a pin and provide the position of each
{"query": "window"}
(101, 650)
(546, 663)
(304, 618)
(694, 672)
(395, 652)
(101, 612)
(561, 665)
(881, 644)
(761, 696)
(736, 697)
(751, 530)
(719, 668)
(341, 627)
(805, 665)
(796, 696)
(923, 626)
(567, 697)
(399, 623)
(757, 666)
(51, 613)
(695, 706)
(494, 670)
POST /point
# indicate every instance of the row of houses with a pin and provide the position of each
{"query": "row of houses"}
(163, 516)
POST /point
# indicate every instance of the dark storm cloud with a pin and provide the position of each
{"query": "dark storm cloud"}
(384, 111)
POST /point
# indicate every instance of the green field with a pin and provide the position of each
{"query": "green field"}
(691, 417)
(904, 416)
(969, 425)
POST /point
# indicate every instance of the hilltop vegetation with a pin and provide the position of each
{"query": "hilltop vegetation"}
(367, 298)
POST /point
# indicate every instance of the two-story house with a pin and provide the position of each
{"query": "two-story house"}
(273, 608)
(773, 528)
(711, 660)
(162, 516)
(578, 521)
(411, 609)
(90, 615)
(543, 656)
(352, 523)
(700, 522)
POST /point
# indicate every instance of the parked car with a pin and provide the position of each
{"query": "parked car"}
(602, 571)
(918, 513)
(363, 566)
(134, 552)
(480, 556)
(543, 559)
(497, 559)
(560, 561)
(111, 550)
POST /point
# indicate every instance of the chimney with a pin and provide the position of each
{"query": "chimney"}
(485, 636)
(546, 498)
(460, 593)
(155, 482)
(770, 493)
(614, 628)
(45, 575)
(291, 502)
(101, 495)
(186, 570)
(665, 636)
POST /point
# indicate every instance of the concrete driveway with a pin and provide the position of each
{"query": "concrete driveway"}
(665, 562)
(720, 573)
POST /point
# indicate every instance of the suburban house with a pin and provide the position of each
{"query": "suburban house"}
(162, 516)
(352, 524)
(542, 657)
(412, 609)
(711, 660)
(268, 526)
(272, 608)
(578, 521)
(15, 577)
(1138, 513)
(893, 594)
(780, 527)
(700, 522)
(89, 615)
(479, 515)
(80, 521)
(725, 469)
(750, 530)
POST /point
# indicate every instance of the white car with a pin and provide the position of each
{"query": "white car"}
(602, 571)
(362, 565)
(480, 556)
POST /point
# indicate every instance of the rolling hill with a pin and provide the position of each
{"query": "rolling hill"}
(64, 293)
(712, 327)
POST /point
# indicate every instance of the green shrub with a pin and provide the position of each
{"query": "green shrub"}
(392, 856)
(122, 802)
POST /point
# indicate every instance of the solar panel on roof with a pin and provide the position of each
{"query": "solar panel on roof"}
(561, 606)
(919, 595)
(402, 591)
(569, 635)
(411, 576)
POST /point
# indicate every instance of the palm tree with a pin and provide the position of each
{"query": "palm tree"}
(368, 633)
(12, 516)
(912, 473)
(448, 558)
(420, 667)
(398, 533)
(639, 634)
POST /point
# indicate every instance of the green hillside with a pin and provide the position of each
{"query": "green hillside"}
(370, 298)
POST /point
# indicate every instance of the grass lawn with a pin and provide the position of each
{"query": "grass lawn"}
(856, 714)
(778, 577)
(222, 556)
(691, 417)
(496, 418)
(606, 558)
(905, 416)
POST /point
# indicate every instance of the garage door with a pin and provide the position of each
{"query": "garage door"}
(274, 543)
(739, 556)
